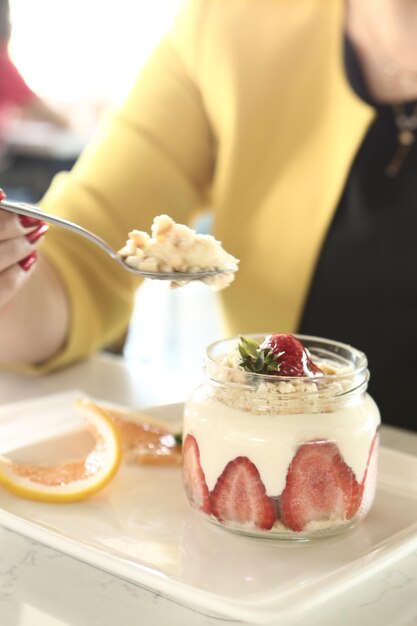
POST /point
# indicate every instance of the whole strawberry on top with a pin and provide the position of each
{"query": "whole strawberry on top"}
(278, 355)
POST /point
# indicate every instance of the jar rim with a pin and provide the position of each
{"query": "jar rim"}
(358, 363)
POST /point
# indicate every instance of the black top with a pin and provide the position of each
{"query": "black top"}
(364, 291)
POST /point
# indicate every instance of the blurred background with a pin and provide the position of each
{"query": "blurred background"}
(80, 57)
(74, 51)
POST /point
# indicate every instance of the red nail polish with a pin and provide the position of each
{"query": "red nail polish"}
(29, 221)
(37, 234)
(28, 261)
(2, 195)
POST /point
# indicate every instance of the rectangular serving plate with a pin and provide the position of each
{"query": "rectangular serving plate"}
(141, 528)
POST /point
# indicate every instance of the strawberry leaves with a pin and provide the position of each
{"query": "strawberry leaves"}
(257, 360)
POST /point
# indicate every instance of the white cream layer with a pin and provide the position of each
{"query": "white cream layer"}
(270, 441)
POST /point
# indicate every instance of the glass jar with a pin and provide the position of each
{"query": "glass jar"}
(283, 457)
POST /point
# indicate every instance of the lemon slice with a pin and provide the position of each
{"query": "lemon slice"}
(145, 439)
(72, 481)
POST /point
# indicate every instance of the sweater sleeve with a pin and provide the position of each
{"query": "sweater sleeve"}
(155, 155)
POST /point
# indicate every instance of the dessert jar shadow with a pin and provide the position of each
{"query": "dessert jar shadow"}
(283, 457)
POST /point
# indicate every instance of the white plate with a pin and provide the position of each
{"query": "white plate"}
(142, 529)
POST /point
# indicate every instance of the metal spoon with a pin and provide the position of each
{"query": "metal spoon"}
(22, 208)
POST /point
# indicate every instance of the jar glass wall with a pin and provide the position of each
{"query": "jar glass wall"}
(284, 457)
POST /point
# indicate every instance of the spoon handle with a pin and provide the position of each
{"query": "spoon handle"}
(29, 210)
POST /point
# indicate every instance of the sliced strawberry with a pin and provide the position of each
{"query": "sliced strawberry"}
(239, 496)
(193, 476)
(369, 476)
(319, 486)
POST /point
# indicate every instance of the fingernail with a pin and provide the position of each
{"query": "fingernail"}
(29, 221)
(37, 234)
(2, 195)
(28, 261)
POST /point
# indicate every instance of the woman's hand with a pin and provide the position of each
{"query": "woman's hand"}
(34, 310)
(18, 238)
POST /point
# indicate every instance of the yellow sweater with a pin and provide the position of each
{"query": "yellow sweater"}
(243, 107)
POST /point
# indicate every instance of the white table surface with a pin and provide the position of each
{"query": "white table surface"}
(42, 587)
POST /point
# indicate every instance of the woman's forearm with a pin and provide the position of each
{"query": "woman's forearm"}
(34, 324)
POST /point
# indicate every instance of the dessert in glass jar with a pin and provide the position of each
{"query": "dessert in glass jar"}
(281, 438)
